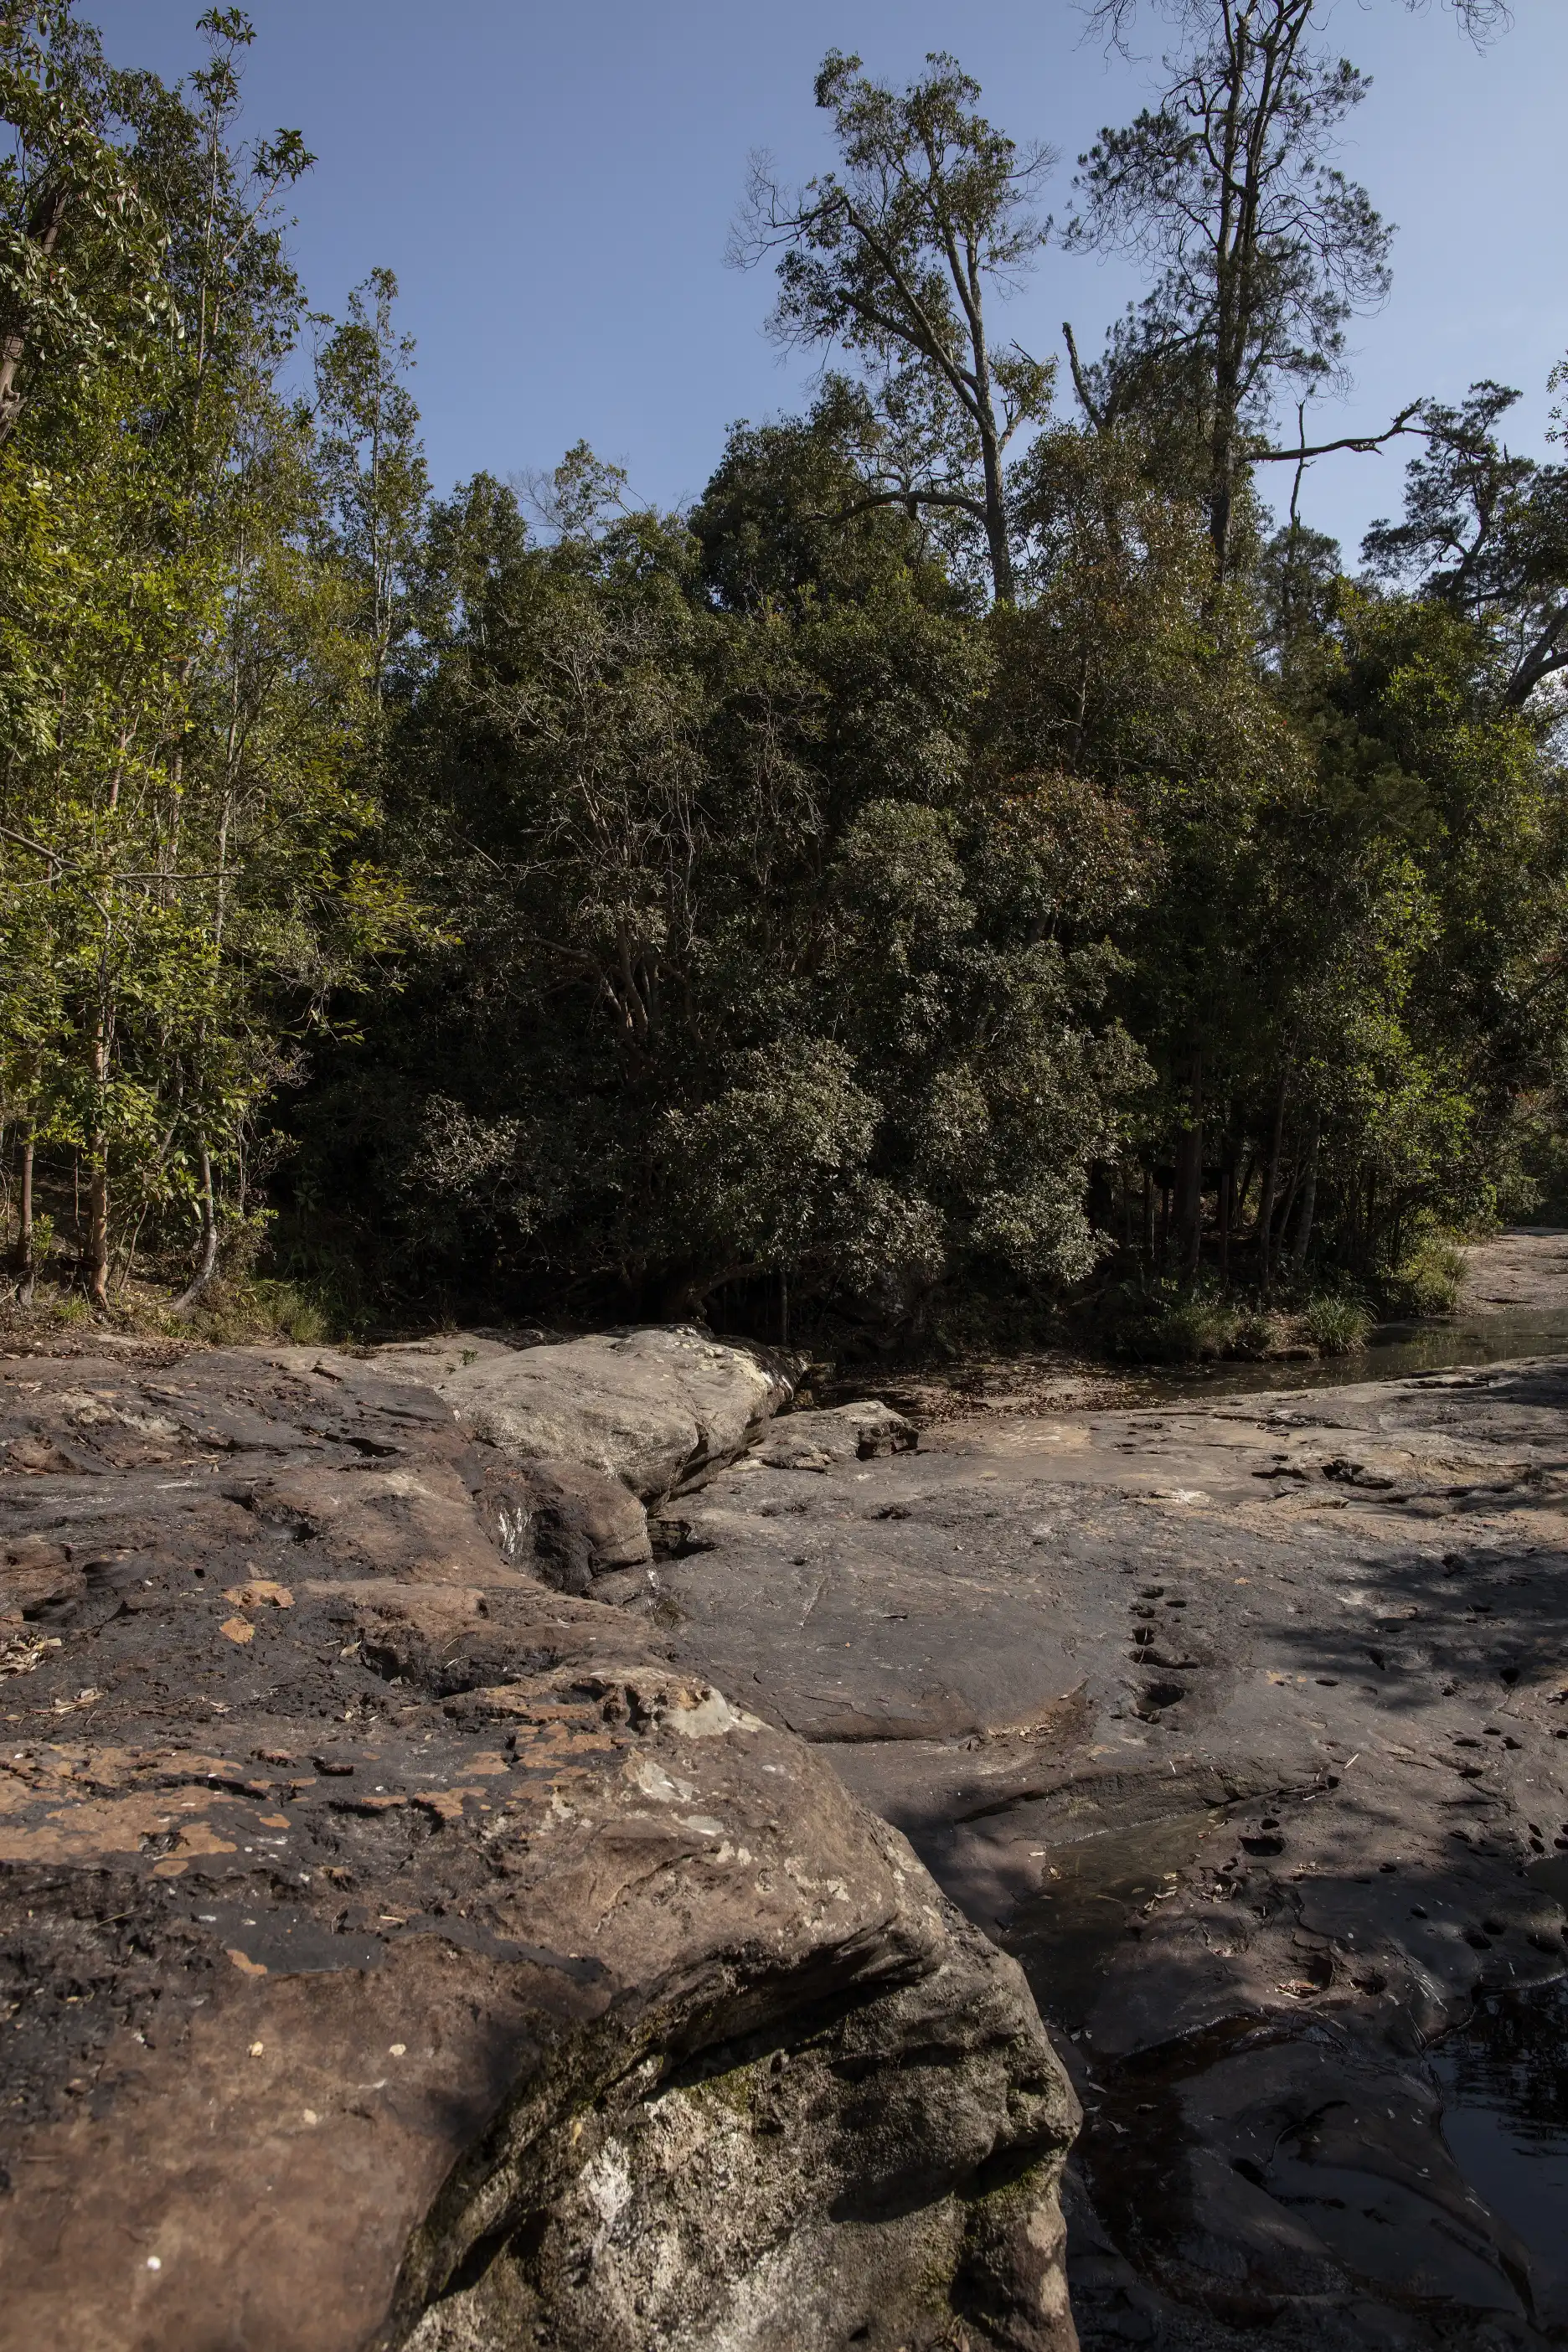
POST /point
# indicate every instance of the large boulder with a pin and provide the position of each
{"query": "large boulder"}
(400, 1954)
(659, 1408)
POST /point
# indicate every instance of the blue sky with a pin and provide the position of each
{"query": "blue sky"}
(553, 183)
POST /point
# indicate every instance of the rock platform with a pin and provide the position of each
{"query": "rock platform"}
(1244, 1724)
(459, 1855)
(398, 1952)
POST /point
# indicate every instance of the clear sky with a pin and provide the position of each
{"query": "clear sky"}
(551, 180)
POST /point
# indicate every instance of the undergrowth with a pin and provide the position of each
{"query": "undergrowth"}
(1175, 1323)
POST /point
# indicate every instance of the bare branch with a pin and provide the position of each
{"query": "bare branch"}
(1097, 417)
(1363, 442)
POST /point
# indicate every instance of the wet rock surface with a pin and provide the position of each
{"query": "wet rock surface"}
(1245, 1727)
(398, 1952)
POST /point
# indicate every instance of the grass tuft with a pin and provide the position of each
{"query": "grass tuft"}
(1336, 1322)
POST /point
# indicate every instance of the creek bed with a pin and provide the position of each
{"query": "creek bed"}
(1394, 1351)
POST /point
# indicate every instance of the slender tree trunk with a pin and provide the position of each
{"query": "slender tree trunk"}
(1309, 1199)
(1190, 1175)
(1003, 582)
(784, 1306)
(1282, 1221)
(1148, 1221)
(1226, 1189)
(95, 1251)
(206, 1257)
(1272, 1180)
(24, 1271)
(95, 1259)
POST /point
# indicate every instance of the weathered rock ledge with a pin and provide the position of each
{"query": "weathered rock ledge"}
(399, 1953)
(1243, 1722)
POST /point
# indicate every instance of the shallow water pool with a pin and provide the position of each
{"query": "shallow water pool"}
(1395, 1352)
(1504, 2077)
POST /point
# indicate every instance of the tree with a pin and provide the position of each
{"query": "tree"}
(1486, 532)
(181, 705)
(80, 244)
(1262, 248)
(373, 466)
(893, 258)
(1114, 17)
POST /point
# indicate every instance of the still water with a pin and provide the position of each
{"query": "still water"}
(1395, 1352)
(1504, 2077)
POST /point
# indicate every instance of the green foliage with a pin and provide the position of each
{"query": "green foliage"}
(1429, 1278)
(1336, 1322)
(1174, 1323)
(746, 978)
(967, 855)
(183, 887)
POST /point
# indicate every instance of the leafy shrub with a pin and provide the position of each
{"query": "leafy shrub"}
(1430, 1279)
(1172, 1324)
(1257, 1333)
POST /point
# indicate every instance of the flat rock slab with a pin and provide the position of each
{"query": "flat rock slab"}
(1245, 1725)
(1525, 1268)
(395, 1952)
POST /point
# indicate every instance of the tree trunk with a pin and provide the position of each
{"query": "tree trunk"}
(1003, 582)
(23, 1263)
(1282, 1223)
(95, 1255)
(206, 1258)
(1226, 1189)
(43, 229)
(1148, 1221)
(95, 1249)
(1271, 1181)
(1190, 1176)
(1309, 1200)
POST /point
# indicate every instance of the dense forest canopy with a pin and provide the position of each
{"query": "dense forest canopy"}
(977, 856)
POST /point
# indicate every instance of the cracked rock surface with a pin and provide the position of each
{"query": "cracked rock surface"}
(396, 1952)
(1245, 1726)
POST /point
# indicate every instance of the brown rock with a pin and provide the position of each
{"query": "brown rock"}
(441, 1968)
(846, 1432)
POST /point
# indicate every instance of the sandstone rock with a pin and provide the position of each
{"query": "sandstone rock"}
(846, 1433)
(581, 1523)
(399, 1954)
(657, 1409)
(1243, 1723)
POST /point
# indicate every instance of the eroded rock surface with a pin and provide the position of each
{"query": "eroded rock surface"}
(655, 1408)
(397, 1953)
(1523, 1268)
(1245, 1725)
